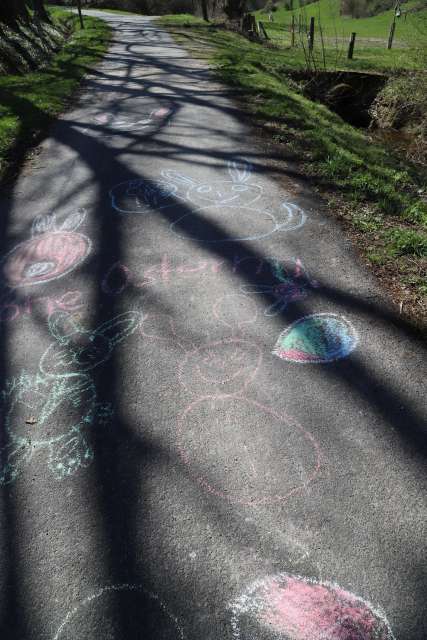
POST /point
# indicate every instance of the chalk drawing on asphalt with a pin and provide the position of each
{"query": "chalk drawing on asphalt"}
(142, 196)
(54, 250)
(229, 441)
(233, 204)
(97, 610)
(118, 276)
(77, 350)
(112, 122)
(233, 447)
(317, 338)
(291, 285)
(61, 396)
(13, 307)
(289, 607)
(227, 210)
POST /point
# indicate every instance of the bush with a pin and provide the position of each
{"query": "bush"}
(402, 104)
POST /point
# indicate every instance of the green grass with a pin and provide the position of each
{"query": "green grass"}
(29, 102)
(119, 11)
(374, 27)
(410, 41)
(377, 190)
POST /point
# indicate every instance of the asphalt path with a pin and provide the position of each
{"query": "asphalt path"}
(213, 424)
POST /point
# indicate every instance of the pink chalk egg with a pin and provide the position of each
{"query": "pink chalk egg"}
(295, 608)
(44, 258)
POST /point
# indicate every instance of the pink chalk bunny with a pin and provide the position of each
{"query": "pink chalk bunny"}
(224, 436)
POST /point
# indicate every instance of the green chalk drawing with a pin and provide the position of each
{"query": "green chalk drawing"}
(54, 409)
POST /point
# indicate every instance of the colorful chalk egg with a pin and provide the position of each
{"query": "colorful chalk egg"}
(318, 338)
(294, 608)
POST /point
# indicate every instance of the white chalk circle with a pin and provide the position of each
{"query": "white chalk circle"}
(120, 612)
(235, 223)
(290, 607)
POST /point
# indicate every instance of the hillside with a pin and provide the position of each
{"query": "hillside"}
(411, 26)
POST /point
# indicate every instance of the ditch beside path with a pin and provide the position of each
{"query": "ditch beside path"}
(212, 424)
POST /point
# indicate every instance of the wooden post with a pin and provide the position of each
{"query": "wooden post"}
(79, 9)
(351, 46)
(293, 31)
(311, 35)
(264, 32)
(205, 11)
(391, 35)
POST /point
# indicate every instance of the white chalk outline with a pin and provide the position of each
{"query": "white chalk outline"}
(120, 587)
(182, 188)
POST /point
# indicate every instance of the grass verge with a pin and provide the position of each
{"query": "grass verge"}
(29, 102)
(104, 10)
(378, 195)
(332, 33)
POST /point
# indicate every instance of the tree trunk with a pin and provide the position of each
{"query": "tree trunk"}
(205, 10)
(13, 11)
(39, 11)
(235, 8)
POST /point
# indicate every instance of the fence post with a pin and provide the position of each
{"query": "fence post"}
(79, 9)
(293, 31)
(351, 46)
(391, 35)
(264, 32)
(254, 25)
(311, 35)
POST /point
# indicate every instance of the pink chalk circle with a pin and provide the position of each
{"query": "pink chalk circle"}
(103, 118)
(161, 113)
(222, 367)
(290, 607)
(244, 452)
(43, 258)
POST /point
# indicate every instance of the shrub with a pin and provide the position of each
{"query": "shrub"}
(402, 104)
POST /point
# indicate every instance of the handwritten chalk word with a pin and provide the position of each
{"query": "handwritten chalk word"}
(233, 203)
(52, 252)
(292, 284)
(295, 608)
(62, 396)
(119, 277)
(318, 338)
(94, 612)
(12, 309)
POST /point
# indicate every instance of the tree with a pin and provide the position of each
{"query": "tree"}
(235, 9)
(13, 11)
(40, 11)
